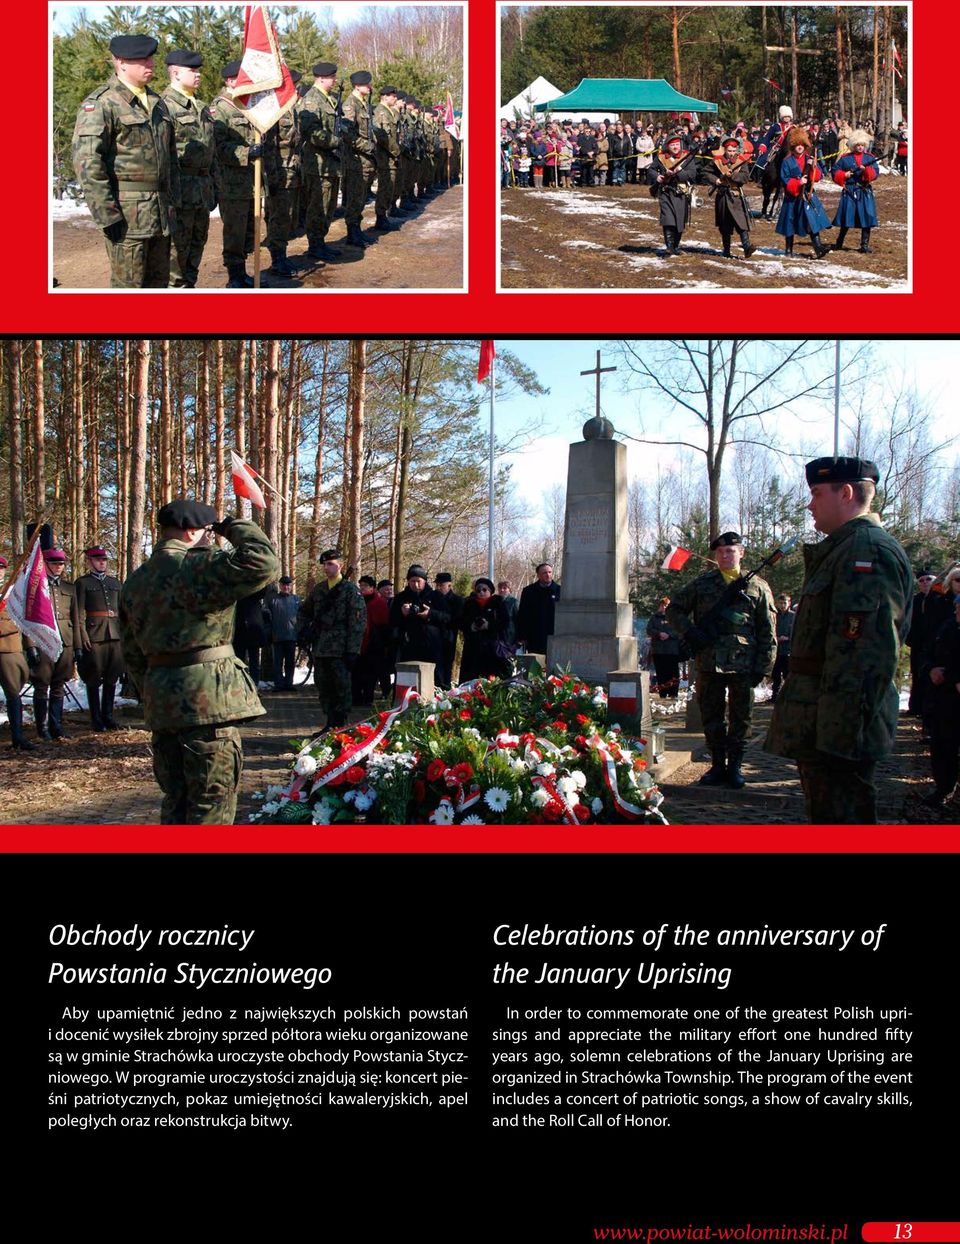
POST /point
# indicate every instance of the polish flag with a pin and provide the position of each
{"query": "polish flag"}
(28, 603)
(449, 120)
(244, 484)
(487, 355)
(265, 90)
(676, 559)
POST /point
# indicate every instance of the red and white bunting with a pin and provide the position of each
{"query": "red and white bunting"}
(360, 751)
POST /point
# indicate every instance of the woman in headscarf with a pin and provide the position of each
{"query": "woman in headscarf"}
(484, 623)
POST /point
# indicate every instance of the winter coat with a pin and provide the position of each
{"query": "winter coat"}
(420, 638)
(797, 216)
(480, 658)
(857, 208)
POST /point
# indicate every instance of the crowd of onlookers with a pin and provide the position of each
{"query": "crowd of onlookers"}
(541, 153)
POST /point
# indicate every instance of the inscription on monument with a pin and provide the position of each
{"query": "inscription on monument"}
(589, 526)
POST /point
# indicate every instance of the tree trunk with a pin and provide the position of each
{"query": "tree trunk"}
(358, 372)
(313, 549)
(39, 420)
(794, 92)
(841, 68)
(17, 517)
(77, 467)
(675, 34)
(293, 482)
(343, 531)
(875, 98)
(406, 448)
(165, 481)
(220, 430)
(271, 415)
(138, 457)
(202, 431)
(92, 510)
(242, 507)
(253, 424)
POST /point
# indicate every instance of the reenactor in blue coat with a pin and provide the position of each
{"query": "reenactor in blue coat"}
(857, 208)
(801, 211)
(775, 137)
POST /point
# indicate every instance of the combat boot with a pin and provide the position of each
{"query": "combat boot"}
(384, 225)
(748, 250)
(397, 212)
(819, 249)
(726, 248)
(409, 204)
(841, 238)
(735, 778)
(93, 700)
(40, 714)
(57, 731)
(865, 242)
(238, 277)
(280, 265)
(716, 775)
(788, 246)
(106, 706)
(15, 713)
(355, 237)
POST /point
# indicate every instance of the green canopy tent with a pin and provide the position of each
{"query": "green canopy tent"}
(614, 95)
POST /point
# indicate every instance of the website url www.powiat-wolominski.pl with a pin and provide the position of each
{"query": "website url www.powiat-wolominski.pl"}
(746, 1232)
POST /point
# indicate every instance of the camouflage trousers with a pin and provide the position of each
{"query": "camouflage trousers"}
(199, 773)
(839, 792)
(406, 177)
(386, 184)
(712, 695)
(321, 195)
(139, 263)
(237, 218)
(335, 688)
(189, 239)
(358, 175)
(278, 219)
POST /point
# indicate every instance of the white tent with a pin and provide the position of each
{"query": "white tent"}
(540, 91)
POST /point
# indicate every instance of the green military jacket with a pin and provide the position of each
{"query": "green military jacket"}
(337, 616)
(385, 131)
(234, 135)
(357, 110)
(320, 146)
(98, 609)
(64, 599)
(178, 602)
(840, 696)
(747, 642)
(196, 147)
(288, 141)
(126, 160)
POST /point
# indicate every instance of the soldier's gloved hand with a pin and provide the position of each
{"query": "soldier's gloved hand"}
(255, 151)
(33, 657)
(695, 639)
(222, 526)
(114, 232)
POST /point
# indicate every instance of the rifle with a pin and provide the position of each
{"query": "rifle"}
(706, 632)
(342, 128)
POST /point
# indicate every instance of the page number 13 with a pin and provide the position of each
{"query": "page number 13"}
(904, 1231)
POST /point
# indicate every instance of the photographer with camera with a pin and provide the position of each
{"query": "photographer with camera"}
(419, 619)
(485, 624)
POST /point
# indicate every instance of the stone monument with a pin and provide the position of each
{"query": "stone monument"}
(593, 630)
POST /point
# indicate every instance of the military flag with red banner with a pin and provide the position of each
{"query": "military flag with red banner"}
(449, 118)
(487, 355)
(28, 603)
(264, 90)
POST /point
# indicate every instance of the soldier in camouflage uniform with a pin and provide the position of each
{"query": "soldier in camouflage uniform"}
(196, 150)
(14, 673)
(125, 158)
(50, 678)
(388, 152)
(238, 147)
(732, 633)
(334, 616)
(836, 714)
(98, 611)
(176, 619)
(406, 163)
(283, 207)
(320, 151)
(359, 155)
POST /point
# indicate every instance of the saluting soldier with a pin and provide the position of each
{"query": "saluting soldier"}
(320, 159)
(836, 714)
(176, 621)
(125, 158)
(14, 673)
(335, 617)
(359, 155)
(729, 625)
(283, 195)
(238, 147)
(196, 150)
(98, 610)
(50, 678)
(385, 117)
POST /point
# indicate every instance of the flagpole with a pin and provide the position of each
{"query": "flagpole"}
(257, 165)
(24, 558)
(836, 401)
(493, 386)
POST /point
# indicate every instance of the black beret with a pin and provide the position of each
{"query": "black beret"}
(486, 583)
(186, 515)
(389, 90)
(402, 96)
(184, 57)
(325, 69)
(285, 579)
(231, 70)
(295, 75)
(726, 537)
(416, 571)
(841, 471)
(361, 78)
(368, 579)
(132, 47)
(331, 555)
(443, 577)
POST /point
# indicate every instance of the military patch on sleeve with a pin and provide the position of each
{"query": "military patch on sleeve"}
(863, 567)
(852, 625)
(89, 107)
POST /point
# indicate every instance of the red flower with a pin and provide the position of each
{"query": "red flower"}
(639, 763)
(465, 714)
(552, 811)
(548, 706)
(354, 774)
(581, 811)
(462, 772)
(419, 790)
(364, 730)
(568, 704)
(581, 740)
(558, 725)
(435, 770)
(467, 696)
(582, 719)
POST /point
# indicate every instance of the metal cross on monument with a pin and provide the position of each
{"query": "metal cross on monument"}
(597, 371)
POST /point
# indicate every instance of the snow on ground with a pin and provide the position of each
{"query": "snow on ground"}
(68, 209)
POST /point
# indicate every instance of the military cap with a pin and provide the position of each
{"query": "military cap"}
(132, 47)
(389, 90)
(402, 96)
(416, 571)
(184, 57)
(230, 70)
(368, 579)
(331, 555)
(925, 572)
(731, 141)
(384, 583)
(54, 555)
(841, 471)
(726, 537)
(295, 75)
(95, 551)
(186, 515)
(325, 69)
(443, 577)
(285, 579)
(361, 78)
